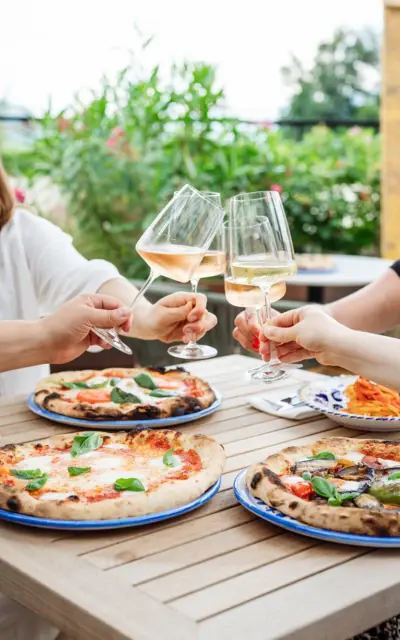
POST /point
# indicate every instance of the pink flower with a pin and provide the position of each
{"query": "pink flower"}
(19, 196)
(111, 142)
(117, 132)
(266, 125)
(276, 187)
(354, 131)
(63, 124)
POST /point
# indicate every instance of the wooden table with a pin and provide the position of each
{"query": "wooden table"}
(214, 574)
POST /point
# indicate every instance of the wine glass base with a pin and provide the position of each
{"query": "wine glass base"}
(196, 352)
(111, 336)
(269, 375)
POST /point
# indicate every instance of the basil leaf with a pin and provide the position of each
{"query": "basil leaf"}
(394, 476)
(77, 471)
(334, 501)
(38, 483)
(74, 385)
(114, 382)
(26, 474)
(170, 460)
(145, 380)
(347, 496)
(129, 484)
(162, 393)
(119, 396)
(307, 476)
(100, 385)
(324, 455)
(85, 443)
(323, 487)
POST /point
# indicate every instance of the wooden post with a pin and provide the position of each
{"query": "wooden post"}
(390, 127)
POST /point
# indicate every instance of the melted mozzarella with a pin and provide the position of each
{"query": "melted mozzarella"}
(354, 456)
(388, 463)
(130, 386)
(98, 380)
(55, 495)
(292, 479)
(116, 445)
(109, 477)
(106, 462)
(36, 462)
(158, 463)
(349, 486)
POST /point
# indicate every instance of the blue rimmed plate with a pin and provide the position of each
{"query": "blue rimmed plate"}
(90, 525)
(259, 508)
(328, 397)
(122, 424)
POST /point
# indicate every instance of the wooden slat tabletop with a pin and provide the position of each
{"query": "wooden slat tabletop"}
(215, 573)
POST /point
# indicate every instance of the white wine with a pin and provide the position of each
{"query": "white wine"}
(213, 264)
(173, 261)
(241, 294)
(257, 268)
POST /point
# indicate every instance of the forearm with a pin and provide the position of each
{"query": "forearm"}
(374, 357)
(375, 308)
(124, 291)
(22, 344)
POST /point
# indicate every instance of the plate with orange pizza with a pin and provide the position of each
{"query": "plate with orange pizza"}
(124, 398)
(354, 401)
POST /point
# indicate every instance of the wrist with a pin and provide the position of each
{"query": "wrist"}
(44, 343)
(341, 347)
(143, 321)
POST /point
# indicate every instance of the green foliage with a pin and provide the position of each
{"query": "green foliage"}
(119, 159)
(338, 84)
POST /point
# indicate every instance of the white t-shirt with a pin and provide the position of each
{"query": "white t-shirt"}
(39, 270)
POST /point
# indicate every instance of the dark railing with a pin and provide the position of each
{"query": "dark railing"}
(283, 122)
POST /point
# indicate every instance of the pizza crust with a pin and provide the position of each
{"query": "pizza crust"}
(168, 495)
(263, 482)
(47, 395)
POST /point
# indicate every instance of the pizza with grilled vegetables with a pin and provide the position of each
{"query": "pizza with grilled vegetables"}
(98, 476)
(124, 394)
(341, 484)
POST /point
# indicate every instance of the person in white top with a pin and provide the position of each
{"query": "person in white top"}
(40, 269)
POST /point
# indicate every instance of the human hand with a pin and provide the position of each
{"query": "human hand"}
(308, 332)
(67, 333)
(180, 316)
(247, 329)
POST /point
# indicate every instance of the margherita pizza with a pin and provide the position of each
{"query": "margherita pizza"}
(98, 476)
(341, 484)
(124, 394)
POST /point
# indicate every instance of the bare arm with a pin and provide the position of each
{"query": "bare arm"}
(374, 357)
(375, 308)
(22, 344)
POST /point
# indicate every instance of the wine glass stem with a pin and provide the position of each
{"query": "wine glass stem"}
(143, 289)
(193, 344)
(268, 315)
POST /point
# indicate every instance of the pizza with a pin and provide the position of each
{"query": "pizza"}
(124, 394)
(340, 484)
(98, 476)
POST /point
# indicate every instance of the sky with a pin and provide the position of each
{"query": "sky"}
(52, 49)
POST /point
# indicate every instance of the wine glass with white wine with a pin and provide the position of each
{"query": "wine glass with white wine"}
(213, 264)
(260, 257)
(174, 244)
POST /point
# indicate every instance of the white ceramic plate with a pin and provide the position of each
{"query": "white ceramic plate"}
(328, 397)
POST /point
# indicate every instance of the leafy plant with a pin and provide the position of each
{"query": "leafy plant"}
(119, 158)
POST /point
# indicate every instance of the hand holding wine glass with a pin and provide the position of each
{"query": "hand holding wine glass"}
(175, 243)
(212, 264)
(260, 258)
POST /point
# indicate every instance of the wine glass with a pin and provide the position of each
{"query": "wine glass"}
(260, 256)
(212, 264)
(174, 244)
